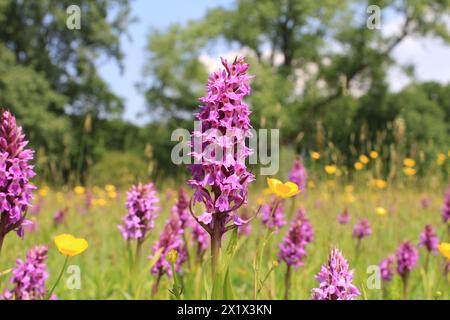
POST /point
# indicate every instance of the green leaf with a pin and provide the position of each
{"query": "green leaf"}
(227, 287)
(5, 272)
(155, 258)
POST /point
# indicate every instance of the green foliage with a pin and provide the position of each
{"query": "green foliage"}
(121, 168)
(320, 72)
(48, 71)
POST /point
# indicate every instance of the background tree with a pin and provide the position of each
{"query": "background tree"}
(49, 71)
(317, 65)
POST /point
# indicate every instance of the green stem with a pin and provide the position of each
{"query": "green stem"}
(405, 286)
(427, 262)
(156, 284)
(58, 279)
(287, 282)
(216, 243)
(138, 251)
(1, 243)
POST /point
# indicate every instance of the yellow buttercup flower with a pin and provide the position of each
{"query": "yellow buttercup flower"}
(380, 183)
(441, 158)
(315, 155)
(112, 194)
(444, 249)
(408, 162)
(283, 190)
(350, 198)
(359, 166)
(70, 246)
(259, 201)
(110, 188)
(331, 169)
(101, 202)
(79, 189)
(380, 211)
(171, 256)
(364, 159)
(373, 154)
(409, 171)
(44, 191)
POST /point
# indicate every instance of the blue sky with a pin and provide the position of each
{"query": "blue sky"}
(430, 57)
(151, 14)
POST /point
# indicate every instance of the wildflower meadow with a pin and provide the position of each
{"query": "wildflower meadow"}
(239, 187)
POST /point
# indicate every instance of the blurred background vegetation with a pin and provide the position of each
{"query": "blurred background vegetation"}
(320, 76)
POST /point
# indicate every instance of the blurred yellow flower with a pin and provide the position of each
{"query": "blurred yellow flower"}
(380, 183)
(171, 256)
(364, 159)
(380, 211)
(70, 246)
(112, 194)
(373, 154)
(43, 191)
(331, 169)
(283, 190)
(359, 166)
(444, 249)
(350, 198)
(79, 189)
(409, 171)
(110, 188)
(409, 163)
(315, 155)
(441, 158)
(101, 202)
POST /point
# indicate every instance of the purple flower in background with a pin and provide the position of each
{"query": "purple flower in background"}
(344, 217)
(88, 200)
(429, 239)
(407, 256)
(15, 172)
(141, 203)
(307, 228)
(201, 238)
(32, 225)
(181, 209)
(276, 221)
(37, 206)
(60, 216)
(298, 174)
(336, 281)
(171, 238)
(446, 207)
(292, 249)
(245, 228)
(362, 229)
(386, 268)
(220, 176)
(29, 276)
(425, 202)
